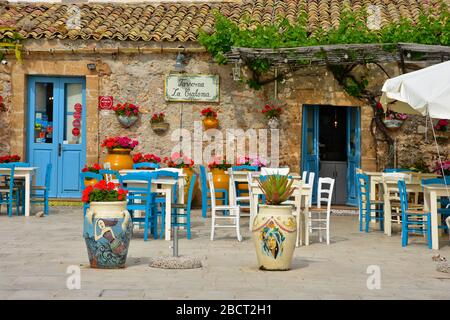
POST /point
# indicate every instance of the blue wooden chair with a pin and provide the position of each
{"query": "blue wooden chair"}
(176, 214)
(417, 221)
(206, 193)
(240, 192)
(39, 194)
(109, 175)
(88, 175)
(141, 198)
(146, 165)
(393, 170)
(366, 205)
(161, 200)
(10, 193)
(444, 211)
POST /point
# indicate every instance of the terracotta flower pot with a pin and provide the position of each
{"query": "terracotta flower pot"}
(119, 158)
(107, 231)
(221, 181)
(90, 182)
(274, 233)
(210, 123)
(127, 121)
(189, 172)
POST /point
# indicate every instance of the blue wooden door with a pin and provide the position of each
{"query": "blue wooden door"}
(353, 152)
(310, 142)
(56, 132)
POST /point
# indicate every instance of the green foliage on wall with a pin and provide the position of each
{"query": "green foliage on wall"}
(11, 42)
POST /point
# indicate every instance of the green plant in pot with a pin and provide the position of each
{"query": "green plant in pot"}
(274, 228)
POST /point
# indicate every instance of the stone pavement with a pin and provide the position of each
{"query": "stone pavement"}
(36, 252)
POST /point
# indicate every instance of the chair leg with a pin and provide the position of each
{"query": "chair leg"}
(430, 246)
(213, 223)
(204, 204)
(146, 225)
(163, 222)
(328, 230)
(320, 230)
(188, 224)
(238, 230)
(46, 203)
(360, 220)
(367, 220)
(405, 233)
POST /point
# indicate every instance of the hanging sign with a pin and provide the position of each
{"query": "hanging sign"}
(192, 87)
(105, 102)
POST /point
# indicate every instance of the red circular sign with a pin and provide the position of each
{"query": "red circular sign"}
(78, 107)
(105, 102)
(76, 132)
(77, 115)
(76, 123)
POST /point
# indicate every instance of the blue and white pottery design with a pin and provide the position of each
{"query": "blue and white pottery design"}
(127, 121)
(107, 231)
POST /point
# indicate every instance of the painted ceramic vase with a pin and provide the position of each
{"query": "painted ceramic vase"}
(221, 181)
(189, 172)
(107, 231)
(127, 121)
(119, 158)
(210, 123)
(274, 233)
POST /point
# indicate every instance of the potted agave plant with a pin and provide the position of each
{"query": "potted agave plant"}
(274, 227)
(107, 226)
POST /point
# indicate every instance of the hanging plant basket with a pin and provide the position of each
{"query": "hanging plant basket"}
(442, 136)
(127, 121)
(393, 124)
(273, 123)
(160, 127)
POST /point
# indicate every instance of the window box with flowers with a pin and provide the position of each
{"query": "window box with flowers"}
(107, 226)
(158, 123)
(149, 157)
(181, 161)
(127, 113)
(210, 120)
(441, 129)
(119, 149)
(272, 113)
(394, 120)
(95, 168)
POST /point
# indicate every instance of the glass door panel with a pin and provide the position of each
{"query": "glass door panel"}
(43, 112)
(73, 120)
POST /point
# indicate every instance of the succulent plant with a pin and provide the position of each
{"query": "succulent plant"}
(276, 188)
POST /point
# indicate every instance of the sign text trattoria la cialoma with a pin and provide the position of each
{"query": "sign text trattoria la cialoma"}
(192, 87)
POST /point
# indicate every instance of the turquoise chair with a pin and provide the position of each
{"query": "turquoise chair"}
(176, 214)
(109, 172)
(444, 211)
(206, 193)
(367, 206)
(146, 165)
(393, 170)
(413, 220)
(10, 193)
(39, 194)
(141, 198)
(88, 175)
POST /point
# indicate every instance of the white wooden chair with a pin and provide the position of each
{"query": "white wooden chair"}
(271, 171)
(239, 199)
(319, 217)
(232, 208)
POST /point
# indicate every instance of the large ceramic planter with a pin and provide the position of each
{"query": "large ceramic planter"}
(221, 181)
(119, 159)
(189, 172)
(107, 231)
(210, 123)
(274, 233)
(127, 121)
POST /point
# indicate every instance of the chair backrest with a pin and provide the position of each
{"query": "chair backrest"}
(48, 176)
(304, 176)
(250, 183)
(391, 170)
(212, 190)
(146, 165)
(270, 171)
(137, 176)
(325, 194)
(232, 190)
(106, 165)
(390, 186)
(244, 168)
(403, 196)
(20, 164)
(191, 192)
(203, 178)
(108, 174)
(11, 166)
(163, 173)
(89, 175)
(437, 181)
(363, 190)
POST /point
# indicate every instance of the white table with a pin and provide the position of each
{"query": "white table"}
(165, 187)
(27, 173)
(431, 194)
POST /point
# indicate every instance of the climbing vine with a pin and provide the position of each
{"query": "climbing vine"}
(11, 42)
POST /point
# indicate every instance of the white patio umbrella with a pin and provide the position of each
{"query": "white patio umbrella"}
(425, 92)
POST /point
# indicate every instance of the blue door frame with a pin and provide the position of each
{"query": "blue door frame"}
(50, 137)
(310, 147)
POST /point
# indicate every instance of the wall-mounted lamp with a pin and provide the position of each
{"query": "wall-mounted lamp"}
(179, 62)
(91, 66)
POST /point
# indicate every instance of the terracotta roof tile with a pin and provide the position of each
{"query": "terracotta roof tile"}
(181, 21)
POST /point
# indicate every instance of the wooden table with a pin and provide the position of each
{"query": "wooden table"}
(27, 173)
(165, 187)
(431, 194)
